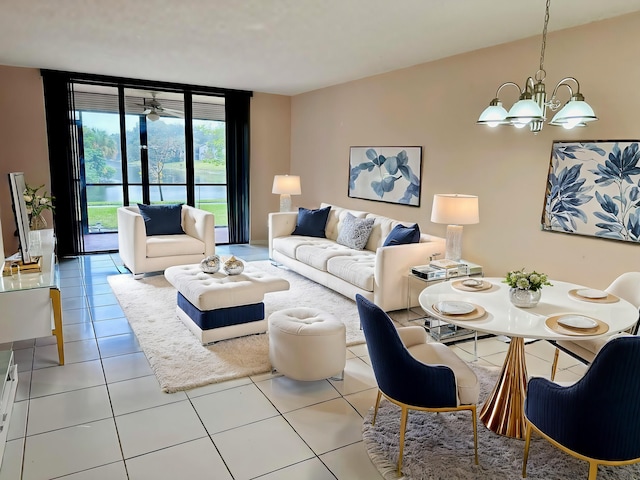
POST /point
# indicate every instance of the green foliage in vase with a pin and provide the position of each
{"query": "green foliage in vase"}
(526, 280)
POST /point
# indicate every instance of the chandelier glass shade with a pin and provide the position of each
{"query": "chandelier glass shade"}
(530, 109)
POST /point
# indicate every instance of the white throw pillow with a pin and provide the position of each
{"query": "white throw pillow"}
(354, 232)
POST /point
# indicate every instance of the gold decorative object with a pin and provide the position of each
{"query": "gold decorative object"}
(233, 266)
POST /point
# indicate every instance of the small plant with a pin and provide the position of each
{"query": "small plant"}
(526, 280)
(37, 203)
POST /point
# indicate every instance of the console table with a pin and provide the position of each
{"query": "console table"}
(29, 300)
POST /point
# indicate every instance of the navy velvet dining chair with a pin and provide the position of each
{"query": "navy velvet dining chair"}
(597, 419)
(413, 374)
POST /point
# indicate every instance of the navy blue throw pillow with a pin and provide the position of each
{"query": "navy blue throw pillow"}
(401, 235)
(162, 219)
(312, 222)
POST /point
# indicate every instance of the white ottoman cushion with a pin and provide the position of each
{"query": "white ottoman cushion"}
(307, 343)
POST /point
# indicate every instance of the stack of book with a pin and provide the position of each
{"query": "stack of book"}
(440, 270)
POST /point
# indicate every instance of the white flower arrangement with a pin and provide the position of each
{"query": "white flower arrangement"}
(36, 203)
(526, 280)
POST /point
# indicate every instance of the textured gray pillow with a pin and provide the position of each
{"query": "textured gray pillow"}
(354, 232)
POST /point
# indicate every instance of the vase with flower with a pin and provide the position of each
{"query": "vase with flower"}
(36, 204)
(526, 287)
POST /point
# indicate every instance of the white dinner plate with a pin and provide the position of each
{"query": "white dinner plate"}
(591, 293)
(577, 321)
(455, 307)
(472, 282)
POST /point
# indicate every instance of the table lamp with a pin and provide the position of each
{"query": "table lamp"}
(454, 210)
(286, 185)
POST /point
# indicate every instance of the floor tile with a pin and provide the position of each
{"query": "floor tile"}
(107, 312)
(73, 303)
(197, 459)
(71, 450)
(101, 300)
(48, 340)
(78, 331)
(125, 367)
(74, 352)
(68, 409)
(138, 394)
(358, 376)
(486, 346)
(217, 387)
(24, 359)
(351, 462)
(159, 427)
(71, 292)
(20, 344)
(359, 350)
(312, 469)
(98, 289)
(18, 423)
(341, 425)
(363, 401)
(80, 315)
(65, 378)
(108, 328)
(250, 450)
(12, 459)
(118, 345)
(24, 386)
(231, 408)
(112, 471)
(71, 282)
(287, 394)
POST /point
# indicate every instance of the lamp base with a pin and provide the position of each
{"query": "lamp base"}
(285, 202)
(454, 243)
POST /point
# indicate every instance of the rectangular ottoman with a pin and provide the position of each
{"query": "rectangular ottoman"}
(217, 306)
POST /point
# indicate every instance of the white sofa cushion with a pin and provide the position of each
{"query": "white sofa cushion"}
(317, 255)
(170, 245)
(358, 269)
(289, 245)
(336, 217)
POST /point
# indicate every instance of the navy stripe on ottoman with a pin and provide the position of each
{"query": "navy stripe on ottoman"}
(221, 317)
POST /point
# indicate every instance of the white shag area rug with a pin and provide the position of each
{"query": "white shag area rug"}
(440, 446)
(179, 360)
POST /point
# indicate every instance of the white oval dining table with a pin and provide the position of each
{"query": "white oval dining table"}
(503, 411)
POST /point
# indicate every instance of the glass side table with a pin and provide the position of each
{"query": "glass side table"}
(418, 279)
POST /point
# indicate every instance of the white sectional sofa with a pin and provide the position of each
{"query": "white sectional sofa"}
(378, 273)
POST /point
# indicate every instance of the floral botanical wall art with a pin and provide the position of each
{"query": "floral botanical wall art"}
(386, 174)
(593, 188)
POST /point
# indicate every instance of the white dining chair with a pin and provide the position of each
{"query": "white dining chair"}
(627, 287)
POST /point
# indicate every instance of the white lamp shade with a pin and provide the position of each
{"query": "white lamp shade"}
(574, 113)
(289, 184)
(153, 116)
(525, 111)
(455, 209)
(493, 115)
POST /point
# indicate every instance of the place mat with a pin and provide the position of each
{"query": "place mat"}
(475, 315)
(553, 325)
(608, 299)
(458, 285)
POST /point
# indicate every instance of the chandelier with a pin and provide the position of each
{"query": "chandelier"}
(530, 109)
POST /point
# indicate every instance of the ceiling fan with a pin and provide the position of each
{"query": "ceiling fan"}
(153, 109)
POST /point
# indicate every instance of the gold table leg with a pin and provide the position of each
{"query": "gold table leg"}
(54, 294)
(503, 412)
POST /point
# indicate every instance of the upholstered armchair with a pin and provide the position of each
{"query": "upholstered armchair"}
(596, 419)
(148, 248)
(413, 374)
(627, 287)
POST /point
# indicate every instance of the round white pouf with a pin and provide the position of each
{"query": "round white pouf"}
(307, 344)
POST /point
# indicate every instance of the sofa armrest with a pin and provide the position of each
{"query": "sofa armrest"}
(132, 238)
(392, 267)
(200, 224)
(281, 224)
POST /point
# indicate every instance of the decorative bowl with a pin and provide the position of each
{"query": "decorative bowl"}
(210, 264)
(233, 266)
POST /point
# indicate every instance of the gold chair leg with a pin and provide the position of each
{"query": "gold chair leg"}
(554, 367)
(475, 431)
(527, 442)
(593, 470)
(403, 427)
(375, 410)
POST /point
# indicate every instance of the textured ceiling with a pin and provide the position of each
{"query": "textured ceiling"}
(273, 46)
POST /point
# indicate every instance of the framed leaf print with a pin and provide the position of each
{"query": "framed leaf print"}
(593, 188)
(386, 174)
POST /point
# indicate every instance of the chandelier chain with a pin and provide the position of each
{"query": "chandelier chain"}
(544, 36)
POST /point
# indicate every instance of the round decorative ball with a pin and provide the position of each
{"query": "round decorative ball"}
(210, 264)
(233, 266)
